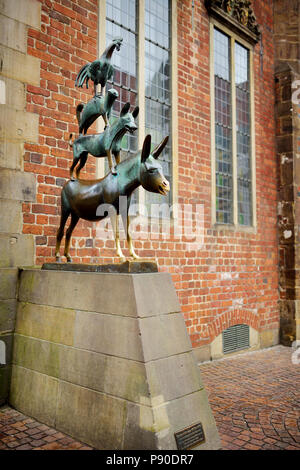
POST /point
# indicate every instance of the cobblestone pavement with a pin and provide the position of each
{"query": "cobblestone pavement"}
(18, 432)
(255, 399)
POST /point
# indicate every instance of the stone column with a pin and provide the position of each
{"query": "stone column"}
(17, 126)
(287, 136)
(287, 61)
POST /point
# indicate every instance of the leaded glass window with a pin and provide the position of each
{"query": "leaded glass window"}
(158, 81)
(121, 21)
(232, 132)
(223, 128)
(243, 134)
(123, 18)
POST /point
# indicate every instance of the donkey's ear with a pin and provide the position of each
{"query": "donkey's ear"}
(125, 109)
(157, 151)
(146, 148)
(135, 112)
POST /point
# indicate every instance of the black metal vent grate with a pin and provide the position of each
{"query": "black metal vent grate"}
(235, 338)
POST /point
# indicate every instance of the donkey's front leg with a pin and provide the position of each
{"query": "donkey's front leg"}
(126, 222)
(115, 224)
(110, 162)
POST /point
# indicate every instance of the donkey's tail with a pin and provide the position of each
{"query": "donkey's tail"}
(71, 140)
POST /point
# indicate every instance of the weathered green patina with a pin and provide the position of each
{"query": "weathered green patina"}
(98, 106)
(106, 144)
(101, 69)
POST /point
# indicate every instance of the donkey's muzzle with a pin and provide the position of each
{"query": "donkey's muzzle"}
(164, 187)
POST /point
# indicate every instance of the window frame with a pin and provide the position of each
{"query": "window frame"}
(141, 99)
(234, 226)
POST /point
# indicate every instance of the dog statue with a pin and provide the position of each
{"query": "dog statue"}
(106, 144)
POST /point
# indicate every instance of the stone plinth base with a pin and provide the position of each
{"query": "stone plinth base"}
(107, 359)
(133, 267)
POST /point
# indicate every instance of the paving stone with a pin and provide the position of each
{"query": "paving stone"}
(254, 398)
(260, 389)
(37, 443)
(33, 435)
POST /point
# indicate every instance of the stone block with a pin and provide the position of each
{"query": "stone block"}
(115, 335)
(297, 309)
(202, 354)
(284, 143)
(11, 155)
(110, 334)
(41, 287)
(13, 34)
(216, 347)
(25, 11)
(34, 394)
(108, 374)
(139, 428)
(8, 283)
(163, 336)
(297, 330)
(165, 385)
(191, 409)
(163, 297)
(18, 125)
(92, 417)
(33, 354)
(82, 291)
(46, 323)
(146, 427)
(114, 376)
(296, 172)
(11, 219)
(17, 185)
(8, 310)
(19, 66)
(14, 94)
(269, 338)
(286, 172)
(16, 250)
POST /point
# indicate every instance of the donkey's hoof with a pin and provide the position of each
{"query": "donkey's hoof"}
(58, 259)
(72, 178)
(69, 259)
(114, 171)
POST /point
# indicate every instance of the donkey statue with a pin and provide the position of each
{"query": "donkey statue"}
(82, 198)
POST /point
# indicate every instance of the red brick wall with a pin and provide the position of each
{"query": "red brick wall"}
(233, 277)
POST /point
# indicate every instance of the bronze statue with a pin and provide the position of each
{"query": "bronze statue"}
(100, 70)
(98, 106)
(106, 143)
(82, 198)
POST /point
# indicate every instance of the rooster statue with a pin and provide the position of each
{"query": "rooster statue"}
(101, 69)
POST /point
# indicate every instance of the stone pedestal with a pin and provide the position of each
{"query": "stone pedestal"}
(107, 359)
